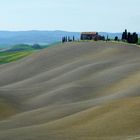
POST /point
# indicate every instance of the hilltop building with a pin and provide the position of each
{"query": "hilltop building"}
(91, 36)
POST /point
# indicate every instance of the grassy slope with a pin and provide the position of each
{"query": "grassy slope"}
(6, 57)
(17, 52)
(75, 91)
(139, 41)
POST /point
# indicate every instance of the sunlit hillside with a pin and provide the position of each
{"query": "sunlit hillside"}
(72, 91)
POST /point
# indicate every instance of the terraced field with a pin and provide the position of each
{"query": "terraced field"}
(73, 91)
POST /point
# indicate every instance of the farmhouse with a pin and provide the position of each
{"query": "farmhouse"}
(91, 36)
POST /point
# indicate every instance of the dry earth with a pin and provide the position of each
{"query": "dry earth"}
(74, 91)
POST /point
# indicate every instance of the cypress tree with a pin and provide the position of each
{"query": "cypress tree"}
(125, 35)
(116, 38)
(73, 38)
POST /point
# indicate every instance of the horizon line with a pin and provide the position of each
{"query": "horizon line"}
(41, 30)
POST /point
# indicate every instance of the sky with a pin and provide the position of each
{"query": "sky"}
(70, 15)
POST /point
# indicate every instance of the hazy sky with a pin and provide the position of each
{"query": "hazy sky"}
(70, 15)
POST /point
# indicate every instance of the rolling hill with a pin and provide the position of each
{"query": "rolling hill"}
(72, 91)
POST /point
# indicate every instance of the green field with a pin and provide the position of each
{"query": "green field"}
(139, 41)
(17, 52)
(6, 57)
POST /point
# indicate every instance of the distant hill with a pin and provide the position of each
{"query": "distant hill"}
(42, 37)
(34, 37)
(25, 47)
(111, 35)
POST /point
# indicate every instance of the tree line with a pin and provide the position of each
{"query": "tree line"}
(67, 39)
(130, 37)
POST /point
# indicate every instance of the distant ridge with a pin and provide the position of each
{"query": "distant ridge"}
(44, 37)
(34, 36)
(111, 35)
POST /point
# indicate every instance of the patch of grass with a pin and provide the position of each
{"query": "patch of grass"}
(139, 41)
(6, 57)
(19, 51)
(21, 47)
(25, 47)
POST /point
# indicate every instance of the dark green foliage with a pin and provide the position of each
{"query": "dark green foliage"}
(103, 38)
(125, 35)
(73, 38)
(81, 38)
(116, 38)
(130, 38)
(64, 39)
(67, 39)
(36, 46)
(135, 36)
